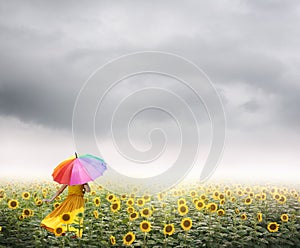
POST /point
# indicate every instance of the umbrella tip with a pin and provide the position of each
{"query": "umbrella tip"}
(76, 155)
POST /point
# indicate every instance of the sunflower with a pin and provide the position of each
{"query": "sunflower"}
(130, 210)
(259, 217)
(212, 207)
(2, 194)
(257, 196)
(0, 228)
(247, 190)
(66, 218)
(273, 227)
(244, 216)
(96, 214)
(276, 196)
(133, 216)
(56, 204)
(114, 207)
(128, 238)
(13, 204)
(222, 202)
(112, 240)
(58, 231)
(147, 198)
(284, 218)
(26, 212)
(181, 201)
(123, 197)
(145, 226)
(110, 197)
(140, 202)
(160, 196)
(203, 197)
(45, 191)
(146, 212)
(216, 195)
(130, 202)
(183, 210)
(39, 202)
(221, 196)
(221, 212)
(97, 201)
(240, 193)
(263, 196)
(248, 201)
(26, 195)
(169, 229)
(186, 224)
(200, 205)
(233, 199)
(93, 192)
(228, 192)
(193, 193)
(21, 217)
(282, 199)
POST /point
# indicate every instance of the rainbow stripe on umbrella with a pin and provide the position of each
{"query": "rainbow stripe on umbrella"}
(79, 170)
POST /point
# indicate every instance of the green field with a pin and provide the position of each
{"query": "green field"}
(204, 215)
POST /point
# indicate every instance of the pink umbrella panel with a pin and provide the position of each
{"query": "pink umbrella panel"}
(79, 170)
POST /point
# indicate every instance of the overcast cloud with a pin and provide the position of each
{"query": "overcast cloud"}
(249, 49)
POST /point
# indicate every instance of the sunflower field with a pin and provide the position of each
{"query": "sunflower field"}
(194, 215)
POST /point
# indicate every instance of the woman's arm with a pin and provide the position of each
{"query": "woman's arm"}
(62, 188)
(86, 188)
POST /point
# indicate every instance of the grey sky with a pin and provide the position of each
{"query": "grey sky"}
(249, 49)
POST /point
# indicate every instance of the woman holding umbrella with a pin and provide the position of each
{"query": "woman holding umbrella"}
(73, 173)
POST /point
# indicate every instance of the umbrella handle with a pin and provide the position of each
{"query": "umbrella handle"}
(76, 155)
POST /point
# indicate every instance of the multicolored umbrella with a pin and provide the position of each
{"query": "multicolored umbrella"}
(79, 169)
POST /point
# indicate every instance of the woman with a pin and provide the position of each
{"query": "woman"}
(68, 213)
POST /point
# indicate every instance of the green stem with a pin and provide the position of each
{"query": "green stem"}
(144, 243)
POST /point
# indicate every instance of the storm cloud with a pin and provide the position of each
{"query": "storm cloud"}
(249, 49)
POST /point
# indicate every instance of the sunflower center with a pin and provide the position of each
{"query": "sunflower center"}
(272, 226)
(182, 209)
(66, 217)
(186, 223)
(13, 204)
(128, 238)
(168, 229)
(115, 206)
(146, 212)
(145, 225)
(59, 230)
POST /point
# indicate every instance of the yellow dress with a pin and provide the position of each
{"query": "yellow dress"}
(73, 205)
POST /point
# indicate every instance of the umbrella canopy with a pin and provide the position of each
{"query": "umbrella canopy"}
(79, 169)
